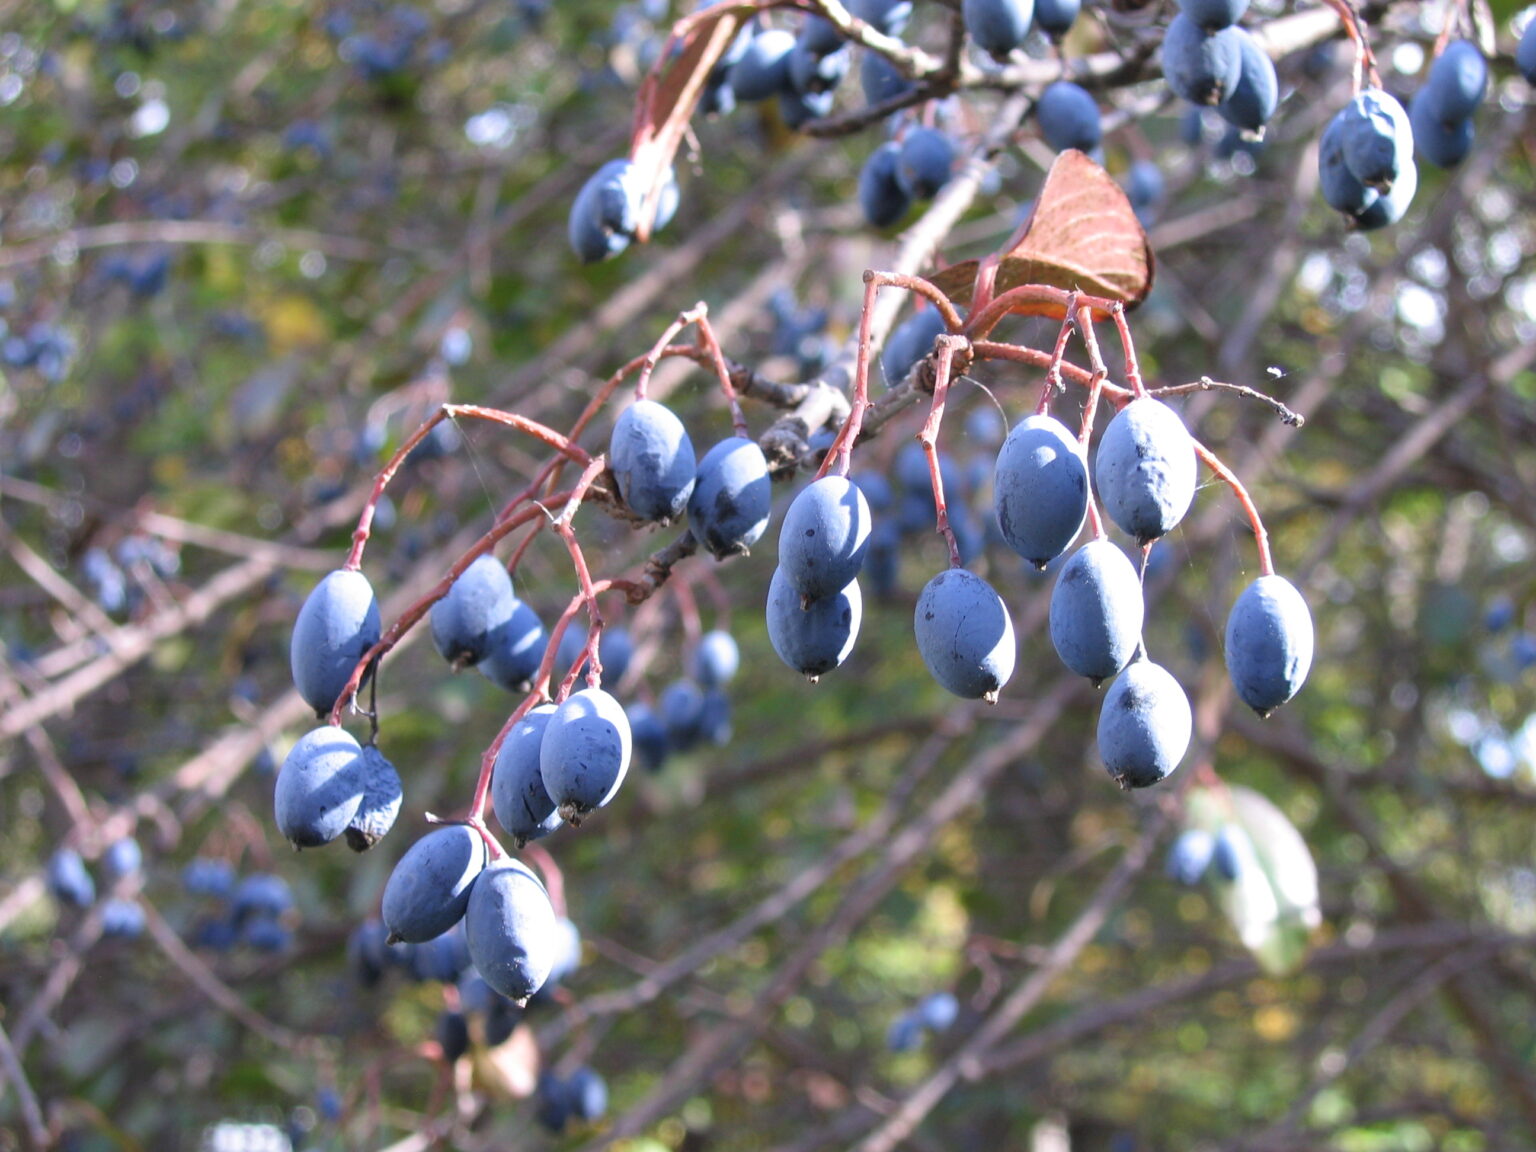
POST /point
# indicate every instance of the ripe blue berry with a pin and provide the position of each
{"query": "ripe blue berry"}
(1457, 82)
(881, 195)
(1069, 117)
(380, 805)
(1097, 611)
(319, 787)
(1269, 643)
(964, 634)
(429, 889)
(1146, 469)
(1144, 726)
(477, 604)
(812, 637)
(924, 164)
(997, 26)
(337, 624)
(585, 752)
(824, 536)
(517, 785)
(652, 460)
(510, 927)
(1202, 67)
(1040, 489)
(732, 497)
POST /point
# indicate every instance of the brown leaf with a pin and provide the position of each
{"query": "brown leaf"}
(670, 94)
(1082, 234)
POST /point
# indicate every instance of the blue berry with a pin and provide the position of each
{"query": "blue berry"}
(1144, 725)
(1269, 643)
(964, 634)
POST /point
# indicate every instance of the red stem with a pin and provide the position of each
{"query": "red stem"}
(929, 439)
(1132, 368)
(562, 444)
(1053, 381)
(554, 880)
(412, 615)
(839, 457)
(1260, 536)
(706, 338)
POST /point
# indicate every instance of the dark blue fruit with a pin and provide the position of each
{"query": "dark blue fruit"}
(1069, 117)
(1341, 188)
(1190, 855)
(1252, 102)
(1377, 138)
(516, 649)
(905, 1033)
(1202, 67)
(1457, 82)
(882, 80)
(925, 162)
(715, 718)
(1443, 144)
(797, 109)
(429, 889)
(337, 624)
(122, 858)
(587, 1093)
(605, 213)
(881, 195)
(68, 879)
(208, 876)
(1146, 469)
(478, 603)
(824, 536)
(1056, 17)
(648, 735)
(517, 785)
(937, 1011)
(585, 752)
(1097, 611)
(1144, 726)
(652, 460)
(1390, 206)
(122, 918)
(812, 638)
(1040, 489)
(452, 1032)
(1145, 188)
(381, 801)
(997, 26)
(682, 714)
(510, 928)
(908, 343)
(888, 16)
(763, 69)
(319, 787)
(1227, 852)
(716, 659)
(1214, 15)
(1525, 53)
(1269, 643)
(820, 36)
(813, 72)
(260, 894)
(964, 634)
(732, 497)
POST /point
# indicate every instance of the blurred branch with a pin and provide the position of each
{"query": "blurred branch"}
(34, 1132)
(195, 232)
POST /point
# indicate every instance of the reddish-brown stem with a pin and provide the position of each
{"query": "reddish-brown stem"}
(687, 613)
(1096, 385)
(589, 656)
(488, 761)
(1260, 536)
(1132, 368)
(1354, 28)
(840, 456)
(1053, 382)
(929, 439)
(412, 615)
(554, 879)
(981, 322)
(711, 346)
(562, 444)
(649, 361)
(931, 292)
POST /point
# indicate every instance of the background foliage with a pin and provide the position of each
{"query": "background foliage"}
(246, 248)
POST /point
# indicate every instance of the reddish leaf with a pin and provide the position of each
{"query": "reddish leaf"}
(671, 93)
(1082, 234)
